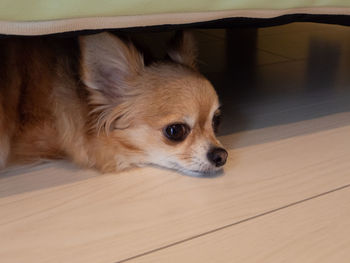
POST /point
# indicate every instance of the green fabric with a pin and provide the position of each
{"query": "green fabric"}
(40, 10)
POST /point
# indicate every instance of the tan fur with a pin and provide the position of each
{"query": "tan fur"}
(94, 102)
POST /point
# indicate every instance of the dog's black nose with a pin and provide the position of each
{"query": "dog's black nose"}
(217, 156)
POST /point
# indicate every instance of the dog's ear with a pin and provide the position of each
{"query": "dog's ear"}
(183, 49)
(108, 64)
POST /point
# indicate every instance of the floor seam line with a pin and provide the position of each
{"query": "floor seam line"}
(236, 223)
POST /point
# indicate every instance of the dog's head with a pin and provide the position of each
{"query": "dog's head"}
(164, 114)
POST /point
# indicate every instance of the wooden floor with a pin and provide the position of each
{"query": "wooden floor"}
(283, 197)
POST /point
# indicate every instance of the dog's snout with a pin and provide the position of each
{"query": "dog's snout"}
(217, 156)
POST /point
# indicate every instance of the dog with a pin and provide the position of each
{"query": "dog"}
(93, 100)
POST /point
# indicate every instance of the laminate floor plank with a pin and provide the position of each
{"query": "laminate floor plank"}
(108, 218)
(316, 231)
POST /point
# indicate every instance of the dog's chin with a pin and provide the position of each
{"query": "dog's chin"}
(209, 172)
(206, 173)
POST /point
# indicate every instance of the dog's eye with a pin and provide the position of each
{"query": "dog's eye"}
(216, 121)
(177, 131)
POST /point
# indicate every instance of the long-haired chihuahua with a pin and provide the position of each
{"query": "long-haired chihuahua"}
(93, 100)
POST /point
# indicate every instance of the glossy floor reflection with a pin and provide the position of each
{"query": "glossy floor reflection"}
(293, 75)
